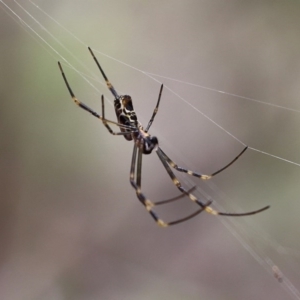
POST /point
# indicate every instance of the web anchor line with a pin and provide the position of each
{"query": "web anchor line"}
(275, 156)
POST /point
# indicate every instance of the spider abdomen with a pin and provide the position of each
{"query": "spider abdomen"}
(126, 114)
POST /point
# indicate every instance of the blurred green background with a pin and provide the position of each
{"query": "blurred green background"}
(71, 225)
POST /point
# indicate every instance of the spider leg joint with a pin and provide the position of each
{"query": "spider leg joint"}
(210, 210)
(149, 205)
(161, 223)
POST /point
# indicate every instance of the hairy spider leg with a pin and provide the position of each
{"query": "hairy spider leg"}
(207, 208)
(135, 180)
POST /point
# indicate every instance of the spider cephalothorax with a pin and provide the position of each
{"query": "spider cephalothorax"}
(144, 143)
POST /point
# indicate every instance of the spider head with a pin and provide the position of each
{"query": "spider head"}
(149, 144)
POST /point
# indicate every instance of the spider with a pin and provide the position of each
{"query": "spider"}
(145, 143)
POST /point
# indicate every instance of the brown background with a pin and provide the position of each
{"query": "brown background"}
(70, 224)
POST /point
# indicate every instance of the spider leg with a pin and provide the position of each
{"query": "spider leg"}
(175, 198)
(109, 85)
(206, 207)
(135, 180)
(139, 179)
(202, 176)
(155, 109)
(91, 111)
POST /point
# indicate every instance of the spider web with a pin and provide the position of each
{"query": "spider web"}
(207, 121)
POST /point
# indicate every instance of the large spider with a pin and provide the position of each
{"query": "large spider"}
(144, 143)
